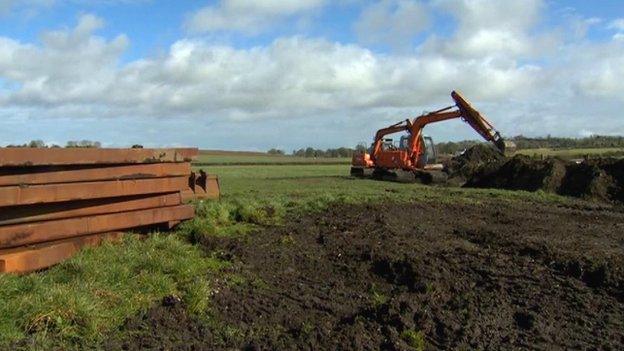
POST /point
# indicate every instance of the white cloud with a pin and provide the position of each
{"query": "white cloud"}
(617, 24)
(394, 22)
(70, 66)
(602, 70)
(79, 71)
(248, 16)
(489, 28)
(303, 85)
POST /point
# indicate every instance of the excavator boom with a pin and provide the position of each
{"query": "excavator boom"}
(479, 123)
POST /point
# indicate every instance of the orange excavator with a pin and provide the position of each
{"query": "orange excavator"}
(415, 154)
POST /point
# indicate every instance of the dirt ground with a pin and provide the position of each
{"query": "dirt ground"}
(400, 277)
(481, 166)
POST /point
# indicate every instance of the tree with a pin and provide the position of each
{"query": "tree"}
(37, 144)
(360, 148)
(309, 152)
(275, 152)
(84, 144)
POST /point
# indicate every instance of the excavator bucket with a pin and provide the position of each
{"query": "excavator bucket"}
(510, 148)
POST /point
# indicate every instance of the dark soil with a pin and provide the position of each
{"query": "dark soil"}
(601, 179)
(164, 327)
(521, 173)
(395, 276)
(483, 167)
(476, 159)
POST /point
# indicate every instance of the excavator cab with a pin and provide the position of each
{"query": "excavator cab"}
(430, 154)
(388, 145)
(404, 142)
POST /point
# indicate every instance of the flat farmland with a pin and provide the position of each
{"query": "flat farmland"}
(574, 153)
(216, 158)
(304, 256)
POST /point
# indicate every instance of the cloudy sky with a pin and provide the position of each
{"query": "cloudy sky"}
(256, 74)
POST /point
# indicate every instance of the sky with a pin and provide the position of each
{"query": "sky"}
(260, 74)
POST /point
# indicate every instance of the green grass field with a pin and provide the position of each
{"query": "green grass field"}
(80, 302)
(574, 153)
(258, 158)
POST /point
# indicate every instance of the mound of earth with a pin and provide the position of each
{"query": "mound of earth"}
(521, 173)
(598, 179)
(601, 179)
(478, 158)
(413, 276)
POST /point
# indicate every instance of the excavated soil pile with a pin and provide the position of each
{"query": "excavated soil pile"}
(397, 276)
(601, 179)
(521, 173)
(478, 158)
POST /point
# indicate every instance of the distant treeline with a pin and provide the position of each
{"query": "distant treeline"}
(524, 143)
(312, 152)
(70, 144)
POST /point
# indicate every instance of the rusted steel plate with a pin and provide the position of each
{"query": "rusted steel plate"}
(25, 195)
(202, 186)
(212, 192)
(138, 171)
(187, 195)
(32, 258)
(46, 212)
(213, 188)
(25, 234)
(51, 157)
(173, 224)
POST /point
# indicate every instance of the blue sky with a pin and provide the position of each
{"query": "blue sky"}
(252, 75)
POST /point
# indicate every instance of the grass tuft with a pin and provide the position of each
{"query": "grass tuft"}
(413, 338)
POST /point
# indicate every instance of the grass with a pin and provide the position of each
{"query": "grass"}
(244, 158)
(414, 339)
(78, 303)
(308, 187)
(574, 153)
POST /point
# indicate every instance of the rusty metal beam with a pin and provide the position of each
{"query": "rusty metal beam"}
(26, 234)
(25, 195)
(51, 157)
(73, 209)
(32, 258)
(138, 171)
(212, 190)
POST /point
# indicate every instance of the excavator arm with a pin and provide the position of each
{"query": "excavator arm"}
(467, 113)
(405, 125)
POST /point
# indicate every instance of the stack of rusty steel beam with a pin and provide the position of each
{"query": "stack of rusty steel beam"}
(55, 201)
